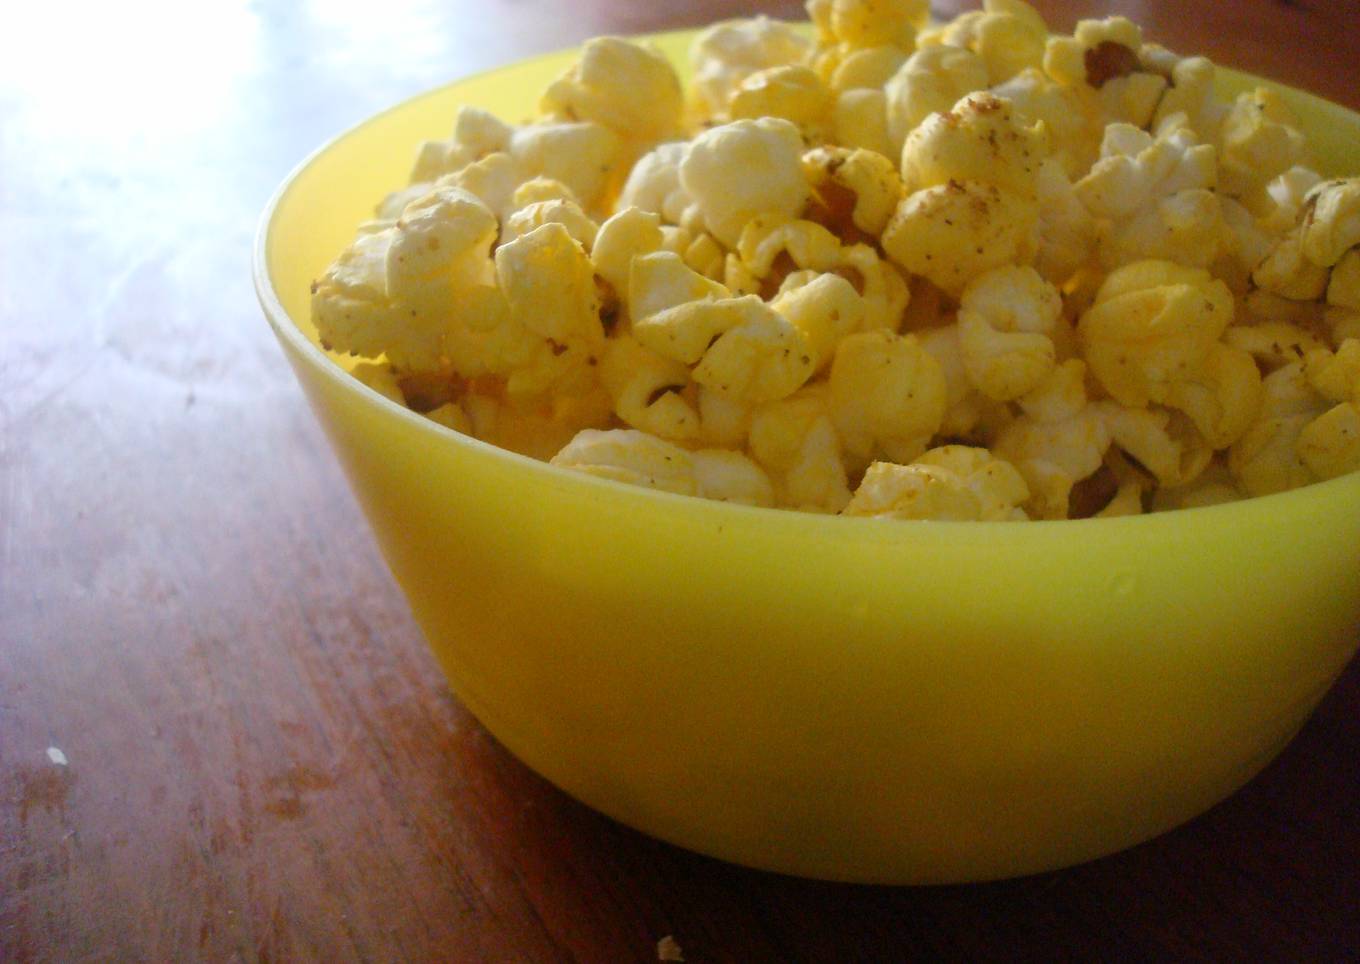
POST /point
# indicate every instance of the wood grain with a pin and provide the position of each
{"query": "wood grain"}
(261, 761)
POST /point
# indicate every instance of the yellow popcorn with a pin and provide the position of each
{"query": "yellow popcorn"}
(964, 404)
(381, 378)
(627, 455)
(1190, 93)
(1273, 343)
(1330, 444)
(584, 156)
(726, 53)
(792, 91)
(1165, 443)
(951, 483)
(628, 234)
(1058, 441)
(451, 416)
(628, 87)
(1104, 55)
(1006, 322)
(883, 289)
(1001, 276)
(866, 67)
(1009, 36)
(647, 390)
(887, 395)
(661, 281)
(862, 185)
(1335, 375)
(932, 80)
(723, 422)
(859, 119)
(654, 183)
(869, 23)
(953, 232)
(1152, 325)
(549, 286)
(1067, 232)
(1331, 225)
(743, 169)
(476, 134)
(730, 477)
(1221, 396)
(391, 292)
(1259, 142)
(824, 308)
(765, 357)
(795, 442)
(493, 180)
(1343, 284)
(1072, 116)
(1287, 272)
(806, 244)
(980, 139)
(1153, 197)
(1267, 459)
(1287, 195)
(563, 212)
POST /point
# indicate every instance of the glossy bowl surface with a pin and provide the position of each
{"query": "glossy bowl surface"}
(839, 698)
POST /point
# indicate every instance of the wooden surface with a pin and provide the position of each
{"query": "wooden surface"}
(221, 736)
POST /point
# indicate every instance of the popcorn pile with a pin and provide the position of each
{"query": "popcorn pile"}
(966, 271)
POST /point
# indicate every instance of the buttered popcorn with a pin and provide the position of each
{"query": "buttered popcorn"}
(881, 268)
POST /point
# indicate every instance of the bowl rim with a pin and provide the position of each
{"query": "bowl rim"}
(823, 525)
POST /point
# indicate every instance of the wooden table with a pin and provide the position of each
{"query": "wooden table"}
(221, 735)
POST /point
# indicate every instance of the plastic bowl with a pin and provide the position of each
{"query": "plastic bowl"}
(831, 697)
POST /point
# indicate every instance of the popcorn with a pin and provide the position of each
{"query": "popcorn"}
(867, 68)
(869, 23)
(549, 286)
(583, 156)
(1266, 458)
(628, 234)
(654, 183)
(476, 134)
(1103, 57)
(1008, 35)
(859, 119)
(1006, 322)
(980, 139)
(1153, 197)
(724, 54)
(952, 483)
(1259, 142)
(1060, 440)
(858, 186)
(1001, 276)
(932, 80)
(632, 457)
(625, 86)
(392, 291)
(887, 395)
(953, 232)
(647, 390)
(795, 442)
(1152, 325)
(792, 92)
(564, 212)
(1165, 443)
(742, 169)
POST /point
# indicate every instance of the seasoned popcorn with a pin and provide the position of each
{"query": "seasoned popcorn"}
(881, 268)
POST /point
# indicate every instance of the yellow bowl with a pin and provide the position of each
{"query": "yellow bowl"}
(838, 698)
